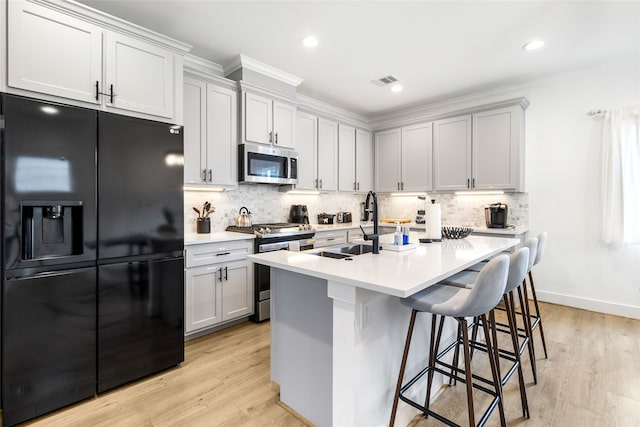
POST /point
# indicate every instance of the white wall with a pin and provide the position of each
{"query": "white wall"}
(563, 160)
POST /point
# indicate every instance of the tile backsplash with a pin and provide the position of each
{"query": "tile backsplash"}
(267, 204)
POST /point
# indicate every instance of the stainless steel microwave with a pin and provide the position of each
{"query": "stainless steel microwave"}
(266, 164)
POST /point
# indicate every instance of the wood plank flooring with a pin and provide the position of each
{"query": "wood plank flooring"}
(592, 378)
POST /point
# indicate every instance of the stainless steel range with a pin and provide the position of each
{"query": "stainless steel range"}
(273, 237)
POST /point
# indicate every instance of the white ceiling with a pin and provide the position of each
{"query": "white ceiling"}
(437, 49)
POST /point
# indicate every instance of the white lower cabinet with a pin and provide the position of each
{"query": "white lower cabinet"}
(218, 284)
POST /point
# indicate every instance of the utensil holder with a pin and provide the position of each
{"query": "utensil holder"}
(203, 225)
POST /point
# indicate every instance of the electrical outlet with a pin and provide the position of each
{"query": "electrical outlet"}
(365, 312)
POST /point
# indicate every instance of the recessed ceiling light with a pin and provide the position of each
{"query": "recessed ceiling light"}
(309, 41)
(533, 45)
(396, 88)
(49, 109)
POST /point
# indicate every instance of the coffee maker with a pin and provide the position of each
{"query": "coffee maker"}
(299, 214)
(496, 215)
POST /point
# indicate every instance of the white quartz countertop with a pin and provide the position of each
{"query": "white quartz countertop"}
(217, 237)
(393, 273)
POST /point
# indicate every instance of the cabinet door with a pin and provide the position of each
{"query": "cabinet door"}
(141, 74)
(346, 158)
(203, 297)
(222, 148)
(495, 149)
(364, 161)
(307, 146)
(258, 118)
(327, 155)
(195, 131)
(284, 124)
(237, 290)
(417, 157)
(388, 160)
(452, 154)
(53, 53)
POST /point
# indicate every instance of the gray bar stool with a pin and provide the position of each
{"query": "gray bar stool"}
(537, 319)
(518, 267)
(459, 303)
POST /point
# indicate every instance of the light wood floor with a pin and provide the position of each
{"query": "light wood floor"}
(592, 378)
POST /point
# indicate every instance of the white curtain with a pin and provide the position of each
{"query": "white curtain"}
(621, 175)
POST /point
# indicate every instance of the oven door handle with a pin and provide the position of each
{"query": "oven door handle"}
(270, 247)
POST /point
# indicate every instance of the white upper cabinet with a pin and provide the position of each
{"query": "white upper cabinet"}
(210, 141)
(139, 76)
(62, 53)
(452, 154)
(364, 161)
(497, 149)
(53, 53)
(284, 124)
(346, 158)
(388, 160)
(195, 131)
(269, 122)
(403, 159)
(482, 151)
(307, 148)
(417, 145)
(327, 155)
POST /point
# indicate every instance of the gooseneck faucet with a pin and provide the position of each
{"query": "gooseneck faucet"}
(375, 237)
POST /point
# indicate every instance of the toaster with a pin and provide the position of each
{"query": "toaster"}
(344, 217)
(325, 218)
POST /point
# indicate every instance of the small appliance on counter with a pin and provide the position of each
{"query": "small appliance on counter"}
(344, 217)
(495, 215)
(298, 214)
(325, 218)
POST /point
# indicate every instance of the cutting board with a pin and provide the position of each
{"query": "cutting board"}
(394, 220)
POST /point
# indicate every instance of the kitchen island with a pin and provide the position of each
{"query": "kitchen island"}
(338, 328)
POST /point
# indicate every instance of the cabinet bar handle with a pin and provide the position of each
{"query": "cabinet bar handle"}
(270, 136)
(276, 137)
(226, 274)
(223, 253)
(320, 183)
(398, 185)
(358, 187)
(111, 94)
(210, 175)
(220, 271)
(97, 91)
(473, 183)
(402, 186)
(468, 183)
(354, 186)
(204, 175)
(315, 183)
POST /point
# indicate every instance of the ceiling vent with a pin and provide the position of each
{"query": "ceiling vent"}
(383, 81)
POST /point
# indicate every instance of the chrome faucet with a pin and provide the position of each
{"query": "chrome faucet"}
(375, 237)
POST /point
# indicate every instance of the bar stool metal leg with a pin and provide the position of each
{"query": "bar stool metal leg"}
(433, 353)
(513, 329)
(493, 364)
(467, 367)
(527, 327)
(537, 315)
(403, 365)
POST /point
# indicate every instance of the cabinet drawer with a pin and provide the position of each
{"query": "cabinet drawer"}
(330, 238)
(205, 254)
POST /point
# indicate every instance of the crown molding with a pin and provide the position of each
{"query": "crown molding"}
(278, 96)
(113, 23)
(243, 61)
(196, 65)
(321, 108)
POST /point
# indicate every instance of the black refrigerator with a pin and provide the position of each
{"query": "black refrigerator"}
(92, 259)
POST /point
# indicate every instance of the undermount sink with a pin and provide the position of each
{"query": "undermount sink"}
(345, 252)
(353, 249)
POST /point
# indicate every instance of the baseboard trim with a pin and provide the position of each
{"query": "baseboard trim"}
(589, 304)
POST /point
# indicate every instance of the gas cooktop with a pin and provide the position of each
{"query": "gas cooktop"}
(277, 229)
